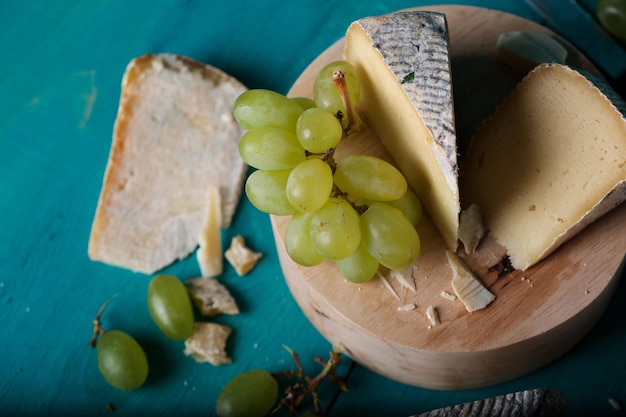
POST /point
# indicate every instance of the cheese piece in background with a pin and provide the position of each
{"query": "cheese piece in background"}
(406, 97)
(523, 50)
(174, 135)
(551, 160)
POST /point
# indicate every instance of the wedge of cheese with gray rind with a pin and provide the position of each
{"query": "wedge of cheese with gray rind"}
(174, 135)
(406, 97)
(550, 161)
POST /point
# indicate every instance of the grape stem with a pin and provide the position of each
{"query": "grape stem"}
(354, 122)
(296, 392)
(97, 325)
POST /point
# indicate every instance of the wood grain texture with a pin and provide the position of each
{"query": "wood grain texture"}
(539, 314)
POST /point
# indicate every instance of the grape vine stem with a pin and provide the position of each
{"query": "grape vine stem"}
(97, 325)
(296, 392)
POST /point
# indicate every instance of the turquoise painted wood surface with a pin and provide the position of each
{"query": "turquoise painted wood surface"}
(60, 73)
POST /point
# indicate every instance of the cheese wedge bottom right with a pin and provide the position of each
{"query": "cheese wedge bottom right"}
(551, 160)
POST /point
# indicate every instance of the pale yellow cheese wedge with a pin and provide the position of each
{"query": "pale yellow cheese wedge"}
(406, 97)
(550, 161)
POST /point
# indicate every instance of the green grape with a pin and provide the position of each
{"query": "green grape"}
(326, 93)
(298, 242)
(121, 360)
(335, 229)
(170, 306)
(304, 102)
(410, 205)
(266, 191)
(258, 107)
(318, 130)
(309, 185)
(359, 267)
(271, 148)
(389, 237)
(249, 394)
(612, 15)
(370, 178)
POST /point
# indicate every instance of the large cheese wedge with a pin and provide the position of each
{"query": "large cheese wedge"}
(406, 97)
(550, 161)
(174, 135)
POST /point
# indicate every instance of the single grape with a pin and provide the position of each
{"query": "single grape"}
(298, 242)
(370, 178)
(410, 205)
(304, 102)
(326, 93)
(389, 237)
(249, 394)
(309, 185)
(335, 229)
(121, 360)
(271, 148)
(170, 306)
(318, 130)
(359, 267)
(612, 15)
(266, 191)
(259, 107)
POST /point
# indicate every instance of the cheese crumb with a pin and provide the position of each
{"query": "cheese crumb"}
(242, 258)
(407, 307)
(433, 316)
(211, 297)
(208, 343)
(447, 295)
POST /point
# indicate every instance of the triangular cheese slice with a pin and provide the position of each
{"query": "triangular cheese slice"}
(406, 96)
(551, 160)
(175, 134)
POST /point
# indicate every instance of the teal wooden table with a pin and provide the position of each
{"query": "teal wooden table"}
(60, 74)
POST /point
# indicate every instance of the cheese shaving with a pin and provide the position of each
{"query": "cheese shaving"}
(433, 316)
(388, 285)
(402, 277)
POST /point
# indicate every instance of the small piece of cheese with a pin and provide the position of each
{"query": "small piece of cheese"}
(404, 277)
(388, 285)
(467, 287)
(242, 258)
(471, 228)
(211, 297)
(550, 161)
(208, 343)
(433, 316)
(406, 97)
(209, 253)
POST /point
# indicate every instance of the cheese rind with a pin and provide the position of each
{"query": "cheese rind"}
(550, 161)
(406, 97)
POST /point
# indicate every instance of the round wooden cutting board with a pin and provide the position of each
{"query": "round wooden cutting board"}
(538, 315)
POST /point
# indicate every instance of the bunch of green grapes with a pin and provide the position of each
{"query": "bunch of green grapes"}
(358, 211)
